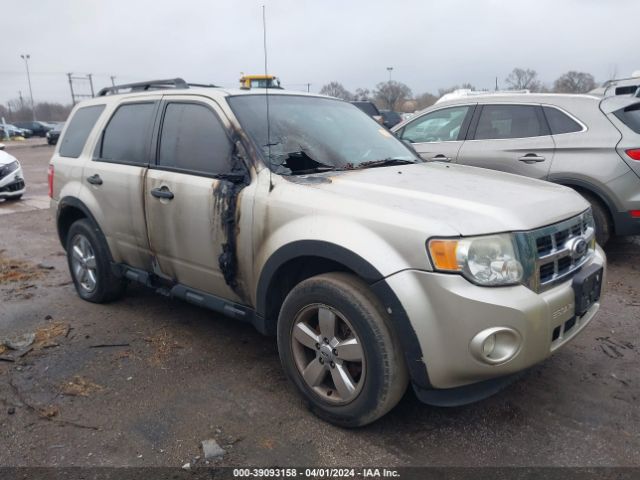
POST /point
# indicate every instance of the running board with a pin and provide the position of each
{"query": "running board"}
(194, 296)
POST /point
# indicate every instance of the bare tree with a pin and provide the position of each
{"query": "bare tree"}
(425, 100)
(574, 82)
(362, 95)
(335, 89)
(16, 111)
(390, 95)
(523, 79)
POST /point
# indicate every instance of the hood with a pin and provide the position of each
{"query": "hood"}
(5, 158)
(470, 200)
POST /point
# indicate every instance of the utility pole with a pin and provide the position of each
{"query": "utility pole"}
(496, 84)
(308, 87)
(113, 80)
(389, 69)
(26, 58)
(91, 84)
(73, 97)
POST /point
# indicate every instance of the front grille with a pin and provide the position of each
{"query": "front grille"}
(13, 187)
(558, 249)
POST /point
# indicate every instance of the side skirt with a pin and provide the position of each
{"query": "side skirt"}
(193, 296)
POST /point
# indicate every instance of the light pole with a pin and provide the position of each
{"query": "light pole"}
(26, 58)
(389, 69)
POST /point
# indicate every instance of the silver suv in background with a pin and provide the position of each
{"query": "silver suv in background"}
(586, 142)
(373, 268)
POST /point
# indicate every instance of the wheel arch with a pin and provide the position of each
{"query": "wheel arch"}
(589, 188)
(70, 210)
(297, 261)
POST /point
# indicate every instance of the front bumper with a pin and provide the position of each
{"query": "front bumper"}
(446, 312)
(13, 184)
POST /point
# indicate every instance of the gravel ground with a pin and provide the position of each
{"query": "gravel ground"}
(182, 375)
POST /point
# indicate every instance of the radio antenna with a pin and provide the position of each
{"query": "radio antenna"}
(266, 90)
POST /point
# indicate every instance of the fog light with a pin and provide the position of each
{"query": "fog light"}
(495, 345)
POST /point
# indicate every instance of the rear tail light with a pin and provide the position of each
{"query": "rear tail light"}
(634, 153)
(635, 213)
(50, 180)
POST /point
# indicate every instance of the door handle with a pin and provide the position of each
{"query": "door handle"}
(94, 179)
(162, 192)
(441, 157)
(531, 158)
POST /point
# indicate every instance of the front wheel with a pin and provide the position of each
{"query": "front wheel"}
(337, 346)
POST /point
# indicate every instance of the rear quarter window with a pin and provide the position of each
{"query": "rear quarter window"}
(78, 131)
(560, 122)
(630, 116)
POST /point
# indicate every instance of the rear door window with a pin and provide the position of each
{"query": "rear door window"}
(126, 137)
(560, 122)
(78, 131)
(510, 121)
(630, 116)
(194, 140)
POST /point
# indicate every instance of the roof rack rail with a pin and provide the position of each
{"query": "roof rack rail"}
(150, 85)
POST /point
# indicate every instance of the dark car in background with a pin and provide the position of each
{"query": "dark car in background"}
(39, 129)
(390, 118)
(54, 134)
(370, 109)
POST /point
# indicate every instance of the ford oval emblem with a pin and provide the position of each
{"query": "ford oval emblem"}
(577, 247)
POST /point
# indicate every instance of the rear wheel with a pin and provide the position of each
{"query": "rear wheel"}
(600, 216)
(337, 346)
(89, 264)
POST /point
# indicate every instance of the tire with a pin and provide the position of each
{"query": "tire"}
(90, 266)
(378, 380)
(601, 217)
(14, 198)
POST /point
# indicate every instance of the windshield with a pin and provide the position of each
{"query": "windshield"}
(311, 134)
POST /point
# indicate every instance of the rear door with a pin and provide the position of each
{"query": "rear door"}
(513, 138)
(114, 180)
(439, 134)
(190, 211)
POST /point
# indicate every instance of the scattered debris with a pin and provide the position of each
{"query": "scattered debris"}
(80, 387)
(45, 334)
(212, 450)
(106, 345)
(14, 355)
(11, 410)
(18, 342)
(163, 346)
(186, 466)
(45, 266)
(12, 270)
(49, 411)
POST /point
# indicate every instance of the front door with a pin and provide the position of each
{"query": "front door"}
(190, 210)
(438, 135)
(510, 138)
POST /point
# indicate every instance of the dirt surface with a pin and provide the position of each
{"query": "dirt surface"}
(142, 381)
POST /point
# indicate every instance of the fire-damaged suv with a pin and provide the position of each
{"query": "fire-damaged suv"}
(301, 215)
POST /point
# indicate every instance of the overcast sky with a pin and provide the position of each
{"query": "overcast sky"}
(429, 43)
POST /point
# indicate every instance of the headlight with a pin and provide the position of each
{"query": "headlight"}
(490, 260)
(48, 134)
(8, 168)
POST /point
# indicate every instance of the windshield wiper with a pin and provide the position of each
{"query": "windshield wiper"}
(385, 162)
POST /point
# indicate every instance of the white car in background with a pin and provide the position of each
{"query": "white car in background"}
(12, 185)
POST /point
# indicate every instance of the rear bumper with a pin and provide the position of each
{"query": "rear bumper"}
(625, 224)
